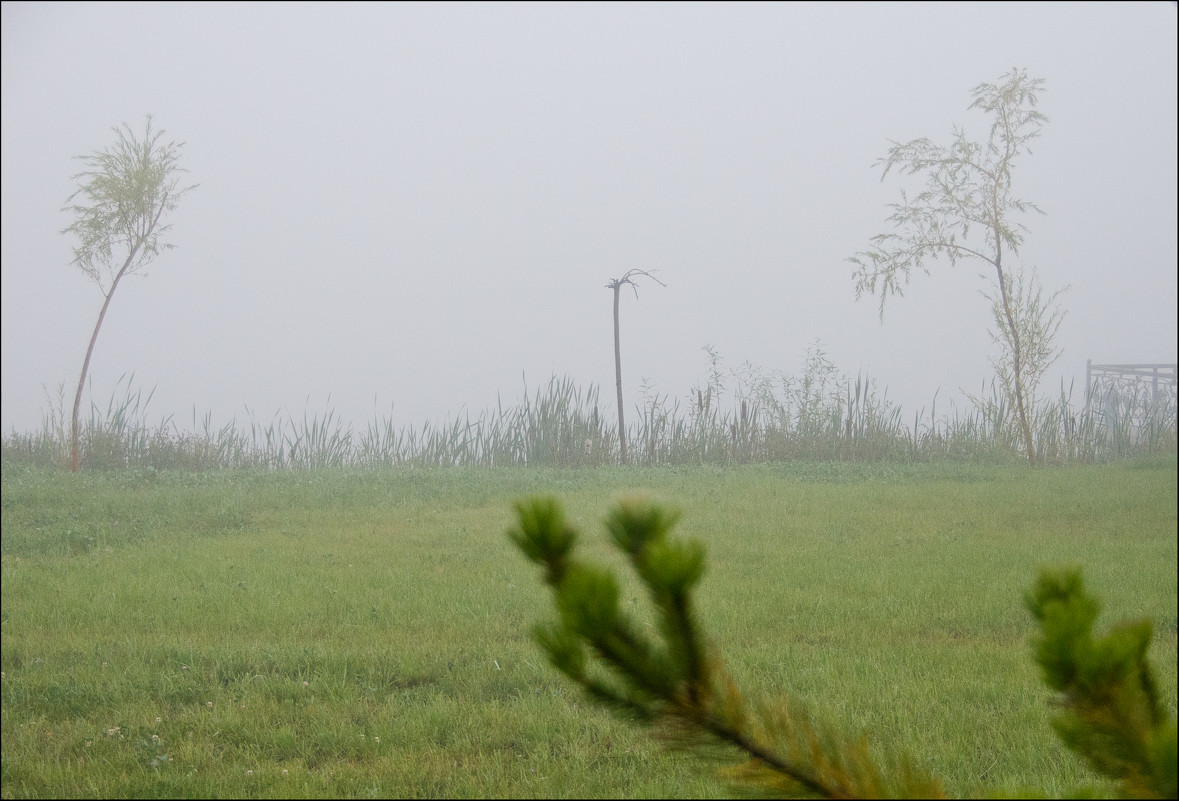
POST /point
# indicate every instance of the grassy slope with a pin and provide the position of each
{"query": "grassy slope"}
(886, 596)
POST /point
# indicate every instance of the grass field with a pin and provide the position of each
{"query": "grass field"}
(366, 633)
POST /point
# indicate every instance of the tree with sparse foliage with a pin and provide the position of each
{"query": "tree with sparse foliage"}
(616, 285)
(118, 207)
(1111, 712)
(968, 190)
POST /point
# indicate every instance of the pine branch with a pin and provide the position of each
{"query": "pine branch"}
(1113, 715)
(677, 685)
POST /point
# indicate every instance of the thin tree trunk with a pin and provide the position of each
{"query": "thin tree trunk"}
(618, 378)
(1016, 367)
(75, 454)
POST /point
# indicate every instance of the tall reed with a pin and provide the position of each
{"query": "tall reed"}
(749, 414)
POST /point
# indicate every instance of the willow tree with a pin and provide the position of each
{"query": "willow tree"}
(118, 210)
(968, 192)
(616, 284)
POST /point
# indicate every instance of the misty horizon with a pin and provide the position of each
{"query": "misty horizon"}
(411, 210)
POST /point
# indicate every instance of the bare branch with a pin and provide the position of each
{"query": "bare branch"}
(616, 285)
(628, 278)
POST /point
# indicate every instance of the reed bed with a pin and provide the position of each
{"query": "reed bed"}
(743, 415)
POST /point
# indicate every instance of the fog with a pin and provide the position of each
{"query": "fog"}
(407, 210)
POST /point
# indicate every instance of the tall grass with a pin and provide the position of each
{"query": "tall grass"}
(742, 415)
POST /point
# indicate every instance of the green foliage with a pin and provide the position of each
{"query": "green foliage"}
(544, 536)
(1113, 715)
(678, 684)
(125, 190)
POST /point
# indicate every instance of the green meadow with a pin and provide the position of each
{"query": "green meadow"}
(366, 633)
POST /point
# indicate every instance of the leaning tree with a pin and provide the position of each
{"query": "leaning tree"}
(118, 207)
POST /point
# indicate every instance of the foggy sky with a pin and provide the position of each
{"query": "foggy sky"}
(404, 210)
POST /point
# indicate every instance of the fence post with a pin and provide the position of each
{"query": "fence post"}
(1088, 381)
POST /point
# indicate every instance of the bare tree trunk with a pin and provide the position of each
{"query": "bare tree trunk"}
(618, 378)
(75, 454)
(616, 285)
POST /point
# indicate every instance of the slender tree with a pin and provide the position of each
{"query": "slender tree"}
(968, 187)
(122, 196)
(616, 285)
